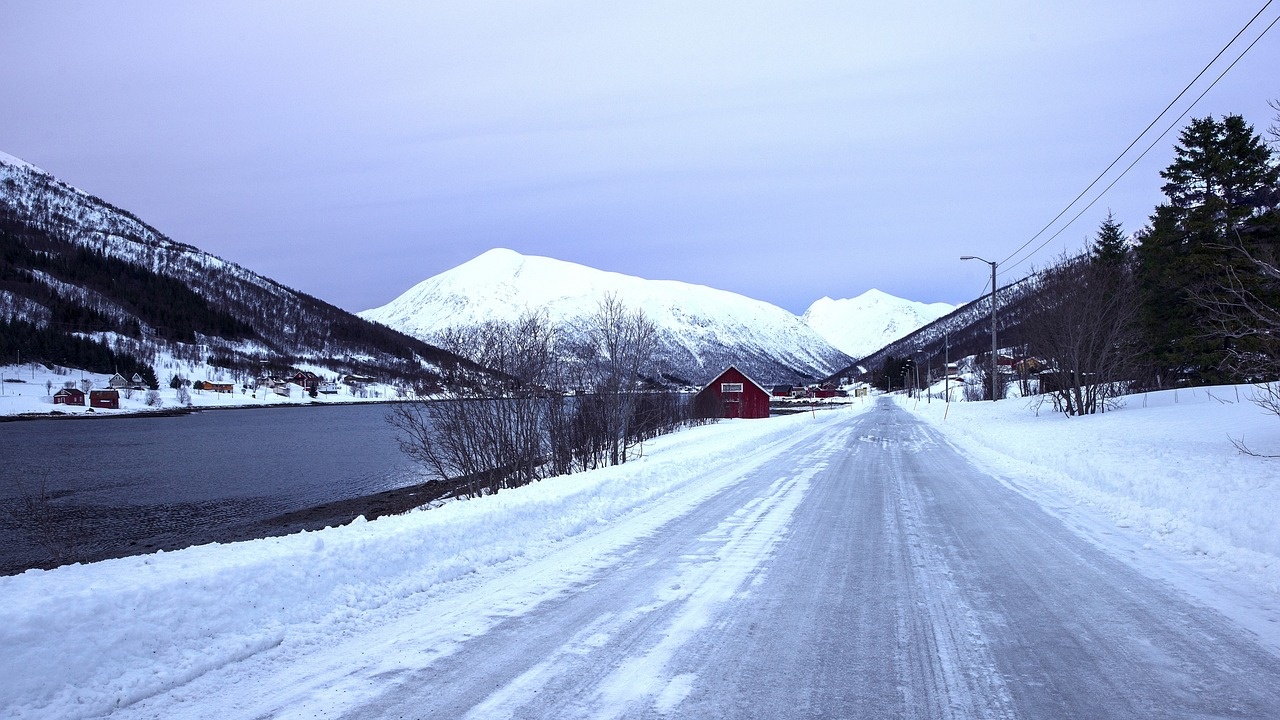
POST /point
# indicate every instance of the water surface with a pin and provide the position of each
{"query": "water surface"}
(117, 486)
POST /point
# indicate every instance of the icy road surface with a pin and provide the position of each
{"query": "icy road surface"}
(860, 568)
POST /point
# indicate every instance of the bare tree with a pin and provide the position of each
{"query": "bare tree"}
(1274, 129)
(558, 408)
(497, 441)
(621, 343)
(1083, 322)
(37, 515)
(1244, 313)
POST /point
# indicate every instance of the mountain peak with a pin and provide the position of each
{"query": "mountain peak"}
(702, 329)
(861, 325)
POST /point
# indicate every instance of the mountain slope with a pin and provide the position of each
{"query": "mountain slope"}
(76, 266)
(860, 326)
(701, 330)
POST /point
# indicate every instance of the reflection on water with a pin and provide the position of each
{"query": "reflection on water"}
(125, 485)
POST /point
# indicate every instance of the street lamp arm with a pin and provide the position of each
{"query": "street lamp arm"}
(995, 370)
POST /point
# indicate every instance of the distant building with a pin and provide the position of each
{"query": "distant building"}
(222, 387)
(824, 391)
(308, 380)
(118, 382)
(109, 399)
(68, 396)
(732, 395)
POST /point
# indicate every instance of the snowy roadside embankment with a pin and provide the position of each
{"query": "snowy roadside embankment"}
(1162, 465)
(83, 639)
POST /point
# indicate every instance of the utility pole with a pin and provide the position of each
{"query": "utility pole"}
(946, 364)
(995, 375)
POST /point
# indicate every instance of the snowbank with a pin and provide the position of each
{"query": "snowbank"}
(1162, 465)
(83, 639)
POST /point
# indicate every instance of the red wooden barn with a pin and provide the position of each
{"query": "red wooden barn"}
(104, 399)
(732, 395)
(68, 396)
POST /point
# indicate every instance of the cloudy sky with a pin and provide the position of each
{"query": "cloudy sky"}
(785, 151)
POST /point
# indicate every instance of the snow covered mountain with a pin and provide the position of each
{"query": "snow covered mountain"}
(860, 326)
(701, 330)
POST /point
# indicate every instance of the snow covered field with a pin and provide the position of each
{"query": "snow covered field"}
(1157, 483)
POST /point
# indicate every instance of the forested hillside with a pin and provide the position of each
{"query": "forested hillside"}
(86, 284)
(1190, 298)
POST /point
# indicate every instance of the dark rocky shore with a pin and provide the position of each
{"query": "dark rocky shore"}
(64, 536)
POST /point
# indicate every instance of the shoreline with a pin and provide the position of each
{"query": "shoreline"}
(336, 513)
(179, 411)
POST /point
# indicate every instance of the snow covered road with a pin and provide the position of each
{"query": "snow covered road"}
(848, 565)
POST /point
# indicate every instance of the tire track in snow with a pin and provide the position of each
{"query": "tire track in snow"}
(943, 653)
(685, 603)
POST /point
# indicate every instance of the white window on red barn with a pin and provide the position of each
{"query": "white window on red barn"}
(730, 387)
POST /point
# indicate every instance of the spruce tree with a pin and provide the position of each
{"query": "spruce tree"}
(1221, 177)
(1110, 248)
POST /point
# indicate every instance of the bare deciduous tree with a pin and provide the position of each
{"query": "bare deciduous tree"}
(43, 521)
(1244, 312)
(558, 409)
(1083, 321)
(621, 342)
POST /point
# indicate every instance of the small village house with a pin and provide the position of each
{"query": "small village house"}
(69, 396)
(306, 379)
(219, 386)
(108, 399)
(118, 382)
(732, 395)
(827, 390)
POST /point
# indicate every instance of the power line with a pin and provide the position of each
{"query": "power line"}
(1140, 136)
(1144, 152)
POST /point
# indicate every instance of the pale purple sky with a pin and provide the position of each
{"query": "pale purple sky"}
(785, 151)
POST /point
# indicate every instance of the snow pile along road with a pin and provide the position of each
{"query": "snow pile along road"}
(1162, 465)
(86, 639)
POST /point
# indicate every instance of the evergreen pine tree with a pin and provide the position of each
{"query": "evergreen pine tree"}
(1220, 178)
(1109, 247)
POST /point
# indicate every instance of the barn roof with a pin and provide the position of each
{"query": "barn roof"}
(734, 367)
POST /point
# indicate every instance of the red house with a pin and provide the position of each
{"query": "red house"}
(104, 399)
(307, 379)
(732, 395)
(68, 396)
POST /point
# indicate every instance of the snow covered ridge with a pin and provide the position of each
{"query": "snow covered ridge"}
(84, 640)
(287, 326)
(860, 326)
(1162, 466)
(702, 330)
(28, 191)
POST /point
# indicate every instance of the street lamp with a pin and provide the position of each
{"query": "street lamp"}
(994, 374)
